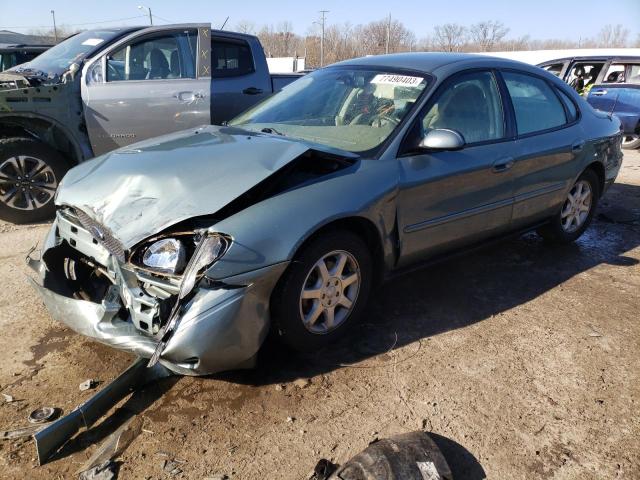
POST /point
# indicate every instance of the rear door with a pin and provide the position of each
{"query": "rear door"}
(240, 76)
(549, 142)
(153, 82)
(452, 198)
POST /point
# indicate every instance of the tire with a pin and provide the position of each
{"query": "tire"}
(557, 230)
(630, 142)
(289, 310)
(24, 199)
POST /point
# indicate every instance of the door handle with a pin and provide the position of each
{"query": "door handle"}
(599, 93)
(503, 165)
(252, 91)
(577, 147)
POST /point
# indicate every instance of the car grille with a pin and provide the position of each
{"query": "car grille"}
(101, 234)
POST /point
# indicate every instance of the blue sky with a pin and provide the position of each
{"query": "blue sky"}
(566, 19)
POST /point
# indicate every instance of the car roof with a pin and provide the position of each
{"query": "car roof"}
(429, 62)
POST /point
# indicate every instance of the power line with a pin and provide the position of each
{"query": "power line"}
(86, 23)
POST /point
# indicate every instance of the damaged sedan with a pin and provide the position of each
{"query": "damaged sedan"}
(188, 248)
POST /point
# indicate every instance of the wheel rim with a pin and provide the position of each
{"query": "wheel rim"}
(329, 292)
(628, 139)
(26, 182)
(577, 207)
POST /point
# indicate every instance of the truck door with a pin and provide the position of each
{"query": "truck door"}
(153, 82)
(240, 76)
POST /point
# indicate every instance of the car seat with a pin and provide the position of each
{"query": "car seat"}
(159, 67)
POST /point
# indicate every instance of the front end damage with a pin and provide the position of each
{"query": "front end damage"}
(94, 287)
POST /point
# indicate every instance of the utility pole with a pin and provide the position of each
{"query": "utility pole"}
(386, 48)
(142, 7)
(55, 30)
(323, 13)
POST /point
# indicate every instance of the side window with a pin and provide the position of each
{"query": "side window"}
(230, 58)
(555, 68)
(572, 111)
(615, 74)
(7, 60)
(537, 107)
(470, 105)
(583, 75)
(164, 56)
(633, 74)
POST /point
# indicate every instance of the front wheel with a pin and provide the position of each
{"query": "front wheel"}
(323, 292)
(576, 213)
(30, 172)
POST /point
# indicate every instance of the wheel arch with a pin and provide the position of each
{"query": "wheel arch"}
(47, 131)
(363, 228)
(599, 170)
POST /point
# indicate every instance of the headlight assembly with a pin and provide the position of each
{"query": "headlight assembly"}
(210, 247)
(166, 255)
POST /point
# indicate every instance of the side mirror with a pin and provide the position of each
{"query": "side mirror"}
(442, 139)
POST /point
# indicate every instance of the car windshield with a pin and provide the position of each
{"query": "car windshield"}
(347, 108)
(57, 59)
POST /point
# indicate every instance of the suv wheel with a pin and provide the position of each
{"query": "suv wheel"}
(323, 292)
(630, 142)
(30, 172)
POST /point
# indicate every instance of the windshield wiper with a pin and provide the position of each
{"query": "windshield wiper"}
(272, 130)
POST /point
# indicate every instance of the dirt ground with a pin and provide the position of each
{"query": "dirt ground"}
(522, 359)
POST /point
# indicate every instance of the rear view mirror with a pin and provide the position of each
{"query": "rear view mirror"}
(442, 139)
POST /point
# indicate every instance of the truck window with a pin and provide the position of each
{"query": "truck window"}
(555, 68)
(230, 58)
(156, 57)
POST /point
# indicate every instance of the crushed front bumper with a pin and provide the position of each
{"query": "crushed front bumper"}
(221, 327)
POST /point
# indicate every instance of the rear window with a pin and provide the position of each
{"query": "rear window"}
(230, 58)
(572, 112)
(536, 106)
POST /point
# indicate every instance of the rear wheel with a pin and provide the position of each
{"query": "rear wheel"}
(630, 142)
(577, 211)
(30, 172)
(323, 292)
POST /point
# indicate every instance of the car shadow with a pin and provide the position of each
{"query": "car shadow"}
(460, 292)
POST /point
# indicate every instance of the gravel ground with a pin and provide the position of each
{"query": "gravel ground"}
(522, 359)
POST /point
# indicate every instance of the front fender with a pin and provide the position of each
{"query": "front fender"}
(272, 230)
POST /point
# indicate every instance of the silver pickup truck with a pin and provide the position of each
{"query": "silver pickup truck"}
(108, 88)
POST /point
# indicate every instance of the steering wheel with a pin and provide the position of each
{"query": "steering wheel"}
(377, 121)
(112, 72)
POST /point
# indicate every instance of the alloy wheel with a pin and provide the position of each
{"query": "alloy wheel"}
(329, 292)
(26, 182)
(576, 207)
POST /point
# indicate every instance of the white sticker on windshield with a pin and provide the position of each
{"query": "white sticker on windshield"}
(398, 80)
(93, 41)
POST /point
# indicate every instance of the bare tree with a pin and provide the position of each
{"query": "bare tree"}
(449, 37)
(246, 26)
(613, 36)
(485, 35)
(63, 31)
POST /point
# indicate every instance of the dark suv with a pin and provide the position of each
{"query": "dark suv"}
(610, 84)
(12, 55)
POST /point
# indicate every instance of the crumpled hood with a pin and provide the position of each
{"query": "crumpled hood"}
(140, 190)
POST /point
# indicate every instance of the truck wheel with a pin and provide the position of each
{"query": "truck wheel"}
(630, 142)
(324, 291)
(30, 172)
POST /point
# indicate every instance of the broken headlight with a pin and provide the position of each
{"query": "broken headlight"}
(208, 250)
(166, 255)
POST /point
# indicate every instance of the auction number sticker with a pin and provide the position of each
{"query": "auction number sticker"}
(92, 42)
(398, 80)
